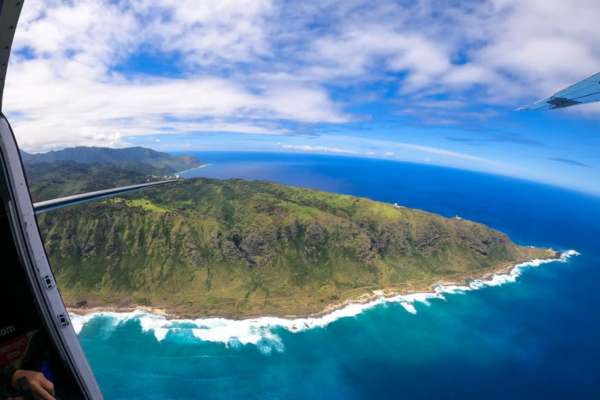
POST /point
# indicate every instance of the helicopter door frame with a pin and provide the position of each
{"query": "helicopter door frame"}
(35, 261)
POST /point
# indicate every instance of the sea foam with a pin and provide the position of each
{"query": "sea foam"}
(261, 331)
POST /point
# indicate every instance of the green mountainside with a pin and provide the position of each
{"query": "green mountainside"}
(137, 159)
(236, 248)
(51, 180)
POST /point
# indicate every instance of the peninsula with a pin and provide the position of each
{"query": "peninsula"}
(233, 248)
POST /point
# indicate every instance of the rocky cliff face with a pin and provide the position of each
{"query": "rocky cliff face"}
(207, 245)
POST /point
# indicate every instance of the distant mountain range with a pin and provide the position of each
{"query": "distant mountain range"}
(138, 159)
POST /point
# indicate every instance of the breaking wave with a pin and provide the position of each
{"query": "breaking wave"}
(261, 331)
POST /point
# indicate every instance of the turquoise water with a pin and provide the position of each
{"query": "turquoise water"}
(535, 338)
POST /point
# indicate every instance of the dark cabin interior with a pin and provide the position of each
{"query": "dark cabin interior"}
(24, 339)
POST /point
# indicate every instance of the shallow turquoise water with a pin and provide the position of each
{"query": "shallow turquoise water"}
(536, 338)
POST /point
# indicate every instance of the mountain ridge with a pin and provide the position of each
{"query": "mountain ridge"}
(234, 248)
(136, 159)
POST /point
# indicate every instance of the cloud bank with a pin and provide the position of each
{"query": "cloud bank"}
(93, 72)
(317, 149)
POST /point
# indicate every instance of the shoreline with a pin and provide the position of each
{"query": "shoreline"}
(191, 169)
(264, 331)
(508, 271)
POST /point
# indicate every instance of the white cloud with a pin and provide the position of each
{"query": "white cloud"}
(152, 106)
(316, 148)
(400, 146)
(506, 51)
(65, 85)
(260, 66)
(209, 32)
(443, 152)
(370, 153)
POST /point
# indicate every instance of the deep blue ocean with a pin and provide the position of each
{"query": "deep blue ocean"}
(537, 338)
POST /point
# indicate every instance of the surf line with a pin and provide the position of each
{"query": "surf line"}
(260, 331)
(192, 169)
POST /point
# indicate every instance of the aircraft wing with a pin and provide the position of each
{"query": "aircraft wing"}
(48, 205)
(585, 91)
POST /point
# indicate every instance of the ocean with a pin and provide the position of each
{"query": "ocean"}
(535, 335)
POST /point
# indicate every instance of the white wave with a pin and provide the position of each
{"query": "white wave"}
(409, 307)
(78, 321)
(497, 280)
(261, 331)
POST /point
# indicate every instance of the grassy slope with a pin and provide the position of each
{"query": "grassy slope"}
(51, 180)
(238, 248)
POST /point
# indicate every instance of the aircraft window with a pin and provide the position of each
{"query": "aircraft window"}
(24, 339)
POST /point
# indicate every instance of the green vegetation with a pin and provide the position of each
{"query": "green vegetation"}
(50, 180)
(145, 204)
(236, 248)
(136, 159)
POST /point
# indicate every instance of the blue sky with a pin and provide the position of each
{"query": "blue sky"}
(424, 81)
